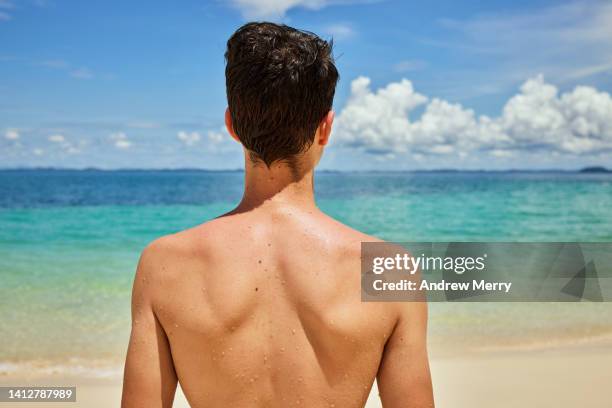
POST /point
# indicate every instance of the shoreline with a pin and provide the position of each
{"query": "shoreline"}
(111, 369)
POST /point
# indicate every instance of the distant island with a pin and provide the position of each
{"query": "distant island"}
(595, 169)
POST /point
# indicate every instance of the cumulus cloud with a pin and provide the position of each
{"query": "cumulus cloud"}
(120, 140)
(188, 138)
(218, 136)
(537, 117)
(11, 134)
(64, 143)
(220, 141)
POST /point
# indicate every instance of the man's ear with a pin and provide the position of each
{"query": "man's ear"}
(325, 128)
(229, 126)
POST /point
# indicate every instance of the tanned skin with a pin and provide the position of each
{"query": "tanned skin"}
(261, 307)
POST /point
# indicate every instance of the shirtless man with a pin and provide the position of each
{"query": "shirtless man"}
(261, 306)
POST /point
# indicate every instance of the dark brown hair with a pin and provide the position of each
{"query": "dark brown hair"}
(280, 84)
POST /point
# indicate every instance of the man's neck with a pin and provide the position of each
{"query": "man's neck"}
(279, 185)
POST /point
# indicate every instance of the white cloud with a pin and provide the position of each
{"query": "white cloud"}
(566, 41)
(276, 9)
(38, 152)
(340, 31)
(120, 140)
(538, 117)
(11, 134)
(64, 143)
(273, 9)
(218, 136)
(57, 138)
(220, 141)
(188, 138)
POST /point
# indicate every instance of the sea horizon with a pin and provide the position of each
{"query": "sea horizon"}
(595, 169)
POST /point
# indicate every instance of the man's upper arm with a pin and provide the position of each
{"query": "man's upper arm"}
(149, 378)
(404, 379)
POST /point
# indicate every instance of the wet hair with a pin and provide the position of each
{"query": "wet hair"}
(280, 84)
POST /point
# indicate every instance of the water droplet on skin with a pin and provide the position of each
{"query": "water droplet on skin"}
(282, 349)
(292, 331)
(251, 380)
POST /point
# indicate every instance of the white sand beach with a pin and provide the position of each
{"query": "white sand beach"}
(565, 377)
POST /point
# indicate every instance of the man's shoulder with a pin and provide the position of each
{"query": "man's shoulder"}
(349, 235)
(182, 248)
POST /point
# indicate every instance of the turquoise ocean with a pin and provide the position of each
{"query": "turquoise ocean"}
(70, 241)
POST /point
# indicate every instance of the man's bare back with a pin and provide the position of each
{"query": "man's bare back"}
(262, 307)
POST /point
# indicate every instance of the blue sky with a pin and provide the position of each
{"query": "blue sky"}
(470, 84)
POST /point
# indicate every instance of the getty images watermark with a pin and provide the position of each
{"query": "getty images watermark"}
(486, 272)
